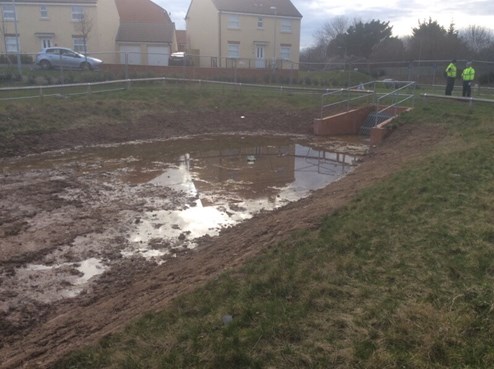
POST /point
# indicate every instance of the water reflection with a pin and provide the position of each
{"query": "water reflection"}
(207, 182)
(233, 184)
(154, 199)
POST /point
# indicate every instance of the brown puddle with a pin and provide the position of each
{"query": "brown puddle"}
(164, 195)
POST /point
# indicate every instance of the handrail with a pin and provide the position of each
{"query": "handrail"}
(394, 94)
(395, 104)
(396, 90)
(129, 82)
(361, 89)
(457, 98)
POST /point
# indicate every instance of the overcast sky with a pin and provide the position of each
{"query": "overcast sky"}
(403, 15)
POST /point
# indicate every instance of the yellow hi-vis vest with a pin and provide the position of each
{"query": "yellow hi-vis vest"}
(451, 70)
(468, 74)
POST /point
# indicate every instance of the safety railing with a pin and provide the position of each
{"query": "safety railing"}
(345, 97)
(370, 93)
(88, 88)
(397, 98)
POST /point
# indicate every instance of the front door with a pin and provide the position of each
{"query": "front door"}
(260, 60)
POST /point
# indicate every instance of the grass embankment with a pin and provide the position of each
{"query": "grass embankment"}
(400, 278)
(50, 114)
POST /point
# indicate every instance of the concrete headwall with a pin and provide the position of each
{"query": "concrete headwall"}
(382, 130)
(347, 123)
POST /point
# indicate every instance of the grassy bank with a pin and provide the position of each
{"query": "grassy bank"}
(401, 278)
(51, 114)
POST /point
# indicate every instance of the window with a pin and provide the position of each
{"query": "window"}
(11, 42)
(233, 49)
(8, 12)
(260, 22)
(285, 51)
(45, 42)
(43, 11)
(234, 22)
(286, 26)
(77, 13)
(78, 44)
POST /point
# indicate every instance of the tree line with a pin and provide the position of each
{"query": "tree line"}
(343, 40)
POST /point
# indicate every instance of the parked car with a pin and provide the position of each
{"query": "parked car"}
(57, 57)
(179, 58)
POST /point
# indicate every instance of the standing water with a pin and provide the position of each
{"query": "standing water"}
(156, 198)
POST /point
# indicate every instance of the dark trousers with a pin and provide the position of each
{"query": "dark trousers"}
(450, 83)
(467, 89)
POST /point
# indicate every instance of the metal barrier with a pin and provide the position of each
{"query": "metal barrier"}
(327, 102)
(395, 95)
(470, 100)
(347, 97)
(64, 90)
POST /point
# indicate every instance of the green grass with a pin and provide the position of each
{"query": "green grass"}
(402, 277)
(48, 114)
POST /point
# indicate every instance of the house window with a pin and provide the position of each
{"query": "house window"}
(233, 49)
(234, 22)
(11, 43)
(8, 12)
(285, 51)
(77, 13)
(43, 11)
(45, 42)
(78, 44)
(286, 26)
(260, 22)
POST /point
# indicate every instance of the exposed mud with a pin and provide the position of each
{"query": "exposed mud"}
(41, 216)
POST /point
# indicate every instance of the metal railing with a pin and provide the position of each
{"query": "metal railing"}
(394, 96)
(30, 92)
(470, 100)
(343, 96)
(366, 94)
(88, 88)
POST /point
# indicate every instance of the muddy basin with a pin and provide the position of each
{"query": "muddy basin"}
(69, 216)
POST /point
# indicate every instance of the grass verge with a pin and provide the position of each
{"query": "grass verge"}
(50, 114)
(400, 278)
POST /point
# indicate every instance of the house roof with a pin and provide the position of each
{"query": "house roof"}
(71, 2)
(145, 32)
(143, 21)
(141, 11)
(261, 7)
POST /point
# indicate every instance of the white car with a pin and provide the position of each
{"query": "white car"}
(58, 57)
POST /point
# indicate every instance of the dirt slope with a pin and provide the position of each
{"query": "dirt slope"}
(123, 294)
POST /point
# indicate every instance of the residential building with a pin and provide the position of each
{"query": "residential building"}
(181, 40)
(146, 34)
(137, 31)
(244, 33)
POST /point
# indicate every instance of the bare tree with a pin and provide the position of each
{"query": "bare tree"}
(331, 29)
(84, 27)
(328, 32)
(477, 38)
(2, 33)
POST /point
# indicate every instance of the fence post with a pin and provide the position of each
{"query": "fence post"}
(434, 68)
(126, 66)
